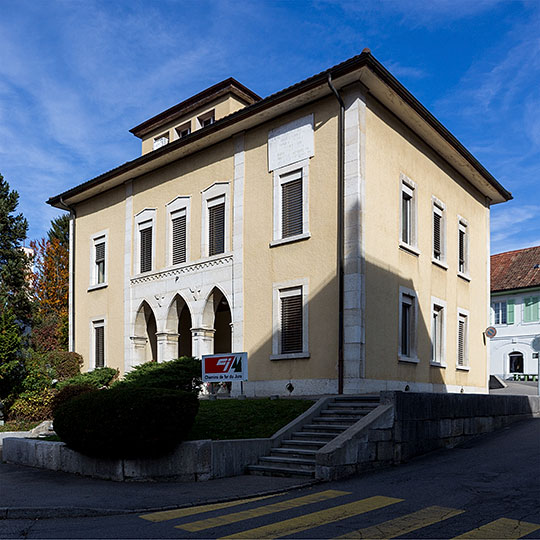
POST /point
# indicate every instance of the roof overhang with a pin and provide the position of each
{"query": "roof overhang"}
(363, 68)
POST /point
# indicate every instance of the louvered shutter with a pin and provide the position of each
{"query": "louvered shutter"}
(291, 324)
(99, 333)
(461, 342)
(179, 239)
(461, 249)
(291, 216)
(510, 312)
(146, 249)
(437, 248)
(216, 229)
(100, 262)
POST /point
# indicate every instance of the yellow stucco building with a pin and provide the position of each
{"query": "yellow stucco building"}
(335, 230)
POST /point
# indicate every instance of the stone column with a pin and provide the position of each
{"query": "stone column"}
(139, 349)
(167, 346)
(202, 341)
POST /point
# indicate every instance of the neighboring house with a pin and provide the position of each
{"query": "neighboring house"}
(515, 312)
(343, 253)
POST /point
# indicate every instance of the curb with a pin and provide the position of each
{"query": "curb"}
(73, 512)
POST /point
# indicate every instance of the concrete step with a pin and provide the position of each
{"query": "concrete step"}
(294, 452)
(358, 397)
(288, 463)
(314, 436)
(338, 408)
(327, 427)
(344, 419)
(269, 470)
(304, 444)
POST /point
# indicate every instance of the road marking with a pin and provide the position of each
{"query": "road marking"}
(261, 511)
(165, 515)
(504, 529)
(292, 526)
(405, 524)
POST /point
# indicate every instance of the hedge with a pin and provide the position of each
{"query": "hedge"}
(98, 378)
(126, 422)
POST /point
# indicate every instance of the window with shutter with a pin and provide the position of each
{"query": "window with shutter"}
(100, 262)
(463, 248)
(407, 233)
(292, 323)
(291, 212)
(216, 229)
(462, 341)
(510, 311)
(499, 312)
(406, 202)
(406, 308)
(178, 223)
(531, 309)
(146, 249)
(99, 345)
(437, 334)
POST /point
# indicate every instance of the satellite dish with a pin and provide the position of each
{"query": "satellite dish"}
(536, 344)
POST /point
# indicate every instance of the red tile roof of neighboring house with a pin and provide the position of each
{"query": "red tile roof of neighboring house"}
(518, 269)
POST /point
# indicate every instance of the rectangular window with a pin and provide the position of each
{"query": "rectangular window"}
(408, 212)
(463, 248)
(183, 131)
(206, 119)
(99, 344)
(439, 226)
(145, 232)
(160, 141)
(462, 340)
(178, 225)
(531, 311)
(291, 321)
(407, 325)
(438, 325)
(292, 204)
(100, 262)
(499, 312)
(216, 226)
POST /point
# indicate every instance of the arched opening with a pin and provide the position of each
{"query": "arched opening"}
(217, 315)
(516, 362)
(145, 334)
(179, 322)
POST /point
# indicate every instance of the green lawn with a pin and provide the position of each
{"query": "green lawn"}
(18, 425)
(245, 419)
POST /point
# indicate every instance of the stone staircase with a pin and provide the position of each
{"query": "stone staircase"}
(296, 456)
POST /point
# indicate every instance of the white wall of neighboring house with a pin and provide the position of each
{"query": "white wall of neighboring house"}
(514, 335)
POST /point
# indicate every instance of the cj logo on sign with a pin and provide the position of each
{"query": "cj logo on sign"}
(223, 367)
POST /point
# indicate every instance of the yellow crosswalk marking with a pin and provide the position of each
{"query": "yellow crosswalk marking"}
(315, 519)
(503, 529)
(165, 515)
(261, 511)
(405, 524)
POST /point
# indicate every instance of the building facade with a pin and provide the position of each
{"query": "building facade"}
(515, 312)
(335, 230)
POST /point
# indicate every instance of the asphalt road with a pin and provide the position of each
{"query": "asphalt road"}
(488, 488)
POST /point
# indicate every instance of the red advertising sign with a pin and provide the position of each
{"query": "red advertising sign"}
(225, 367)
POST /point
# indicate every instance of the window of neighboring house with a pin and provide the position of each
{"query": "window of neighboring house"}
(99, 343)
(216, 226)
(178, 228)
(183, 131)
(516, 362)
(145, 235)
(439, 232)
(408, 213)
(161, 140)
(98, 275)
(463, 247)
(407, 325)
(438, 332)
(499, 311)
(206, 119)
(531, 312)
(463, 340)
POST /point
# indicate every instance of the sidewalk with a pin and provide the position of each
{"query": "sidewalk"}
(26, 492)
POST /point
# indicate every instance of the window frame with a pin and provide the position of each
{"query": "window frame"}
(494, 312)
(282, 176)
(186, 126)
(408, 187)
(179, 204)
(95, 323)
(210, 197)
(208, 115)
(463, 227)
(463, 314)
(95, 239)
(442, 310)
(148, 215)
(524, 309)
(282, 290)
(439, 208)
(409, 297)
(162, 137)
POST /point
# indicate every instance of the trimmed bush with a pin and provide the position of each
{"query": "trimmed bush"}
(181, 374)
(32, 405)
(69, 392)
(98, 378)
(126, 422)
(64, 364)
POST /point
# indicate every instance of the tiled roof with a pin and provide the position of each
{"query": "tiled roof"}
(515, 269)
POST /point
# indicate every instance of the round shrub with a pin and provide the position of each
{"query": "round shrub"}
(126, 422)
(181, 374)
(32, 405)
(64, 364)
(98, 378)
(69, 392)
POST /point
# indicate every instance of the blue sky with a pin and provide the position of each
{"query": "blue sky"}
(75, 76)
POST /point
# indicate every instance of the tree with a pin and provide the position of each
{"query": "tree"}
(11, 365)
(14, 264)
(51, 287)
